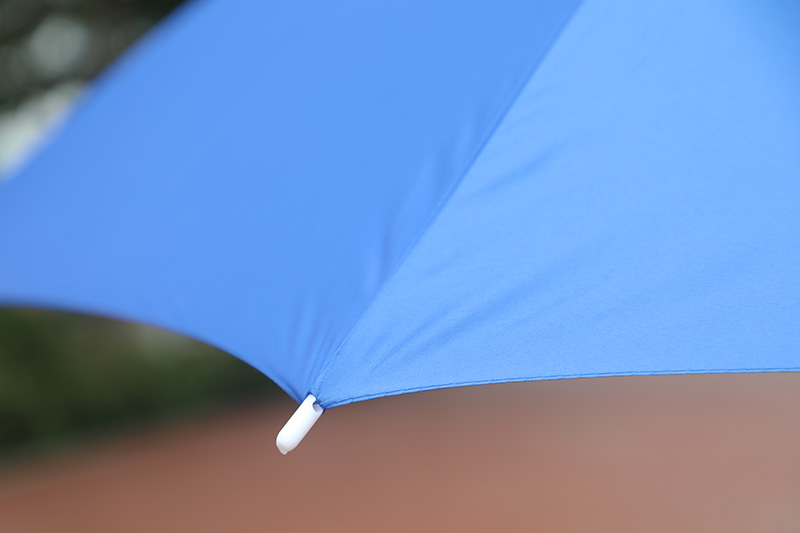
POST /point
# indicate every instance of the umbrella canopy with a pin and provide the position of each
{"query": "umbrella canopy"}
(369, 198)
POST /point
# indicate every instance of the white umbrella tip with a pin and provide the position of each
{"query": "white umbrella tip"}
(299, 425)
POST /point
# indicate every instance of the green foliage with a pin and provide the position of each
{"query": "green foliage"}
(62, 375)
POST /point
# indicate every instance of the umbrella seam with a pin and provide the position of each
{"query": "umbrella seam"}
(321, 376)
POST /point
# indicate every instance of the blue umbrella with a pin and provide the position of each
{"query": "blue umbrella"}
(363, 198)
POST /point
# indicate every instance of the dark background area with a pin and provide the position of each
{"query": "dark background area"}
(90, 34)
(65, 377)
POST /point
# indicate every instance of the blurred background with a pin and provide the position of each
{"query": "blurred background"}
(49, 49)
(109, 426)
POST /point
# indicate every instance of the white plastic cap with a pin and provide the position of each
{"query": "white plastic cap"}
(299, 425)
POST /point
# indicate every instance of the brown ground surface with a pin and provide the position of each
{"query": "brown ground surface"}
(691, 453)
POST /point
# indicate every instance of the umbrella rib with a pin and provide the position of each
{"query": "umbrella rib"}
(525, 81)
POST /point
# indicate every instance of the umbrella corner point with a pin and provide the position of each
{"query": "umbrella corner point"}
(298, 426)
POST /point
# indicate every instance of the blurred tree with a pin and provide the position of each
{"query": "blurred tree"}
(63, 374)
(44, 43)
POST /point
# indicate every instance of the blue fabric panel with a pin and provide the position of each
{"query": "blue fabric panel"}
(636, 212)
(253, 173)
